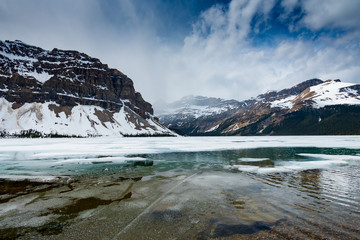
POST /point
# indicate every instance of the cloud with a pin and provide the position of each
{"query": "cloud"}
(332, 14)
(235, 50)
(63, 24)
(220, 59)
(120, 33)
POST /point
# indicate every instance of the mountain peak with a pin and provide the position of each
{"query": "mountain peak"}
(287, 92)
(330, 92)
(275, 112)
(43, 83)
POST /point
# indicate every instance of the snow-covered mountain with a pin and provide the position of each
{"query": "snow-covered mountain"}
(311, 107)
(68, 93)
(192, 110)
(197, 106)
(331, 92)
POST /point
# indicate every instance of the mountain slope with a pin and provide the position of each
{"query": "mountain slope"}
(311, 107)
(68, 93)
(191, 113)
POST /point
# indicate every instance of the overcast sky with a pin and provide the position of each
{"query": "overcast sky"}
(172, 48)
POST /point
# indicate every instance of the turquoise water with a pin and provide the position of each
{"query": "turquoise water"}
(258, 160)
(270, 191)
(305, 193)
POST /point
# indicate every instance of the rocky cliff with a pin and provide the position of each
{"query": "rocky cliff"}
(68, 93)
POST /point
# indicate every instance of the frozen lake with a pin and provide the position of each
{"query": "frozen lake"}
(305, 187)
(49, 158)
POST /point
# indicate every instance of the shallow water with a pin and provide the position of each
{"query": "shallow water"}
(181, 188)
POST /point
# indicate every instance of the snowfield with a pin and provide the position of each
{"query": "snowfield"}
(325, 94)
(82, 121)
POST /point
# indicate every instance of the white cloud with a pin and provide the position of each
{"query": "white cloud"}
(222, 62)
(216, 59)
(332, 14)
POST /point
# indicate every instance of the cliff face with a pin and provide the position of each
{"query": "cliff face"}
(68, 79)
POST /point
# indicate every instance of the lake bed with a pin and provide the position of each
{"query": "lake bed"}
(181, 188)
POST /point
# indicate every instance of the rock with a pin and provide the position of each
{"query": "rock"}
(30, 74)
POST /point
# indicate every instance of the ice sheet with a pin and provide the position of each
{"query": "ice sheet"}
(41, 157)
(253, 159)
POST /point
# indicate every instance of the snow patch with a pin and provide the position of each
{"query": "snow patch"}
(213, 128)
(284, 103)
(328, 93)
(17, 57)
(41, 77)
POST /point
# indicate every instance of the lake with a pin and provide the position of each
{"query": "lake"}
(289, 187)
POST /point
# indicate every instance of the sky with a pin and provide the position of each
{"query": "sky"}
(233, 49)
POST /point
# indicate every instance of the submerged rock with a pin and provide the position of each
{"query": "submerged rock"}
(222, 228)
(144, 163)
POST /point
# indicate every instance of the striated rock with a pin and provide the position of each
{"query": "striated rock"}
(276, 95)
(53, 74)
(66, 79)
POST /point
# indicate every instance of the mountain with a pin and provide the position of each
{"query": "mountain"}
(310, 108)
(195, 114)
(68, 93)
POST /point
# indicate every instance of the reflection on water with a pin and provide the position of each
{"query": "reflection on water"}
(302, 192)
(264, 193)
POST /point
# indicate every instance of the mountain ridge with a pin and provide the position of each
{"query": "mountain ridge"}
(66, 91)
(267, 113)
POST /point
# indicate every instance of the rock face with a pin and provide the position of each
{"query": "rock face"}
(309, 108)
(68, 90)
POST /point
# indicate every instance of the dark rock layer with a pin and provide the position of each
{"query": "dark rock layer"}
(74, 78)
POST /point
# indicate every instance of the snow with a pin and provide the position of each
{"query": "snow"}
(328, 93)
(122, 120)
(84, 62)
(232, 128)
(24, 65)
(67, 95)
(196, 106)
(81, 122)
(4, 89)
(324, 94)
(351, 91)
(41, 77)
(70, 61)
(284, 103)
(199, 111)
(87, 98)
(17, 57)
(101, 87)
(213, 128)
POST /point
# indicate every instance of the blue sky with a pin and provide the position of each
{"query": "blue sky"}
(172, 48)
